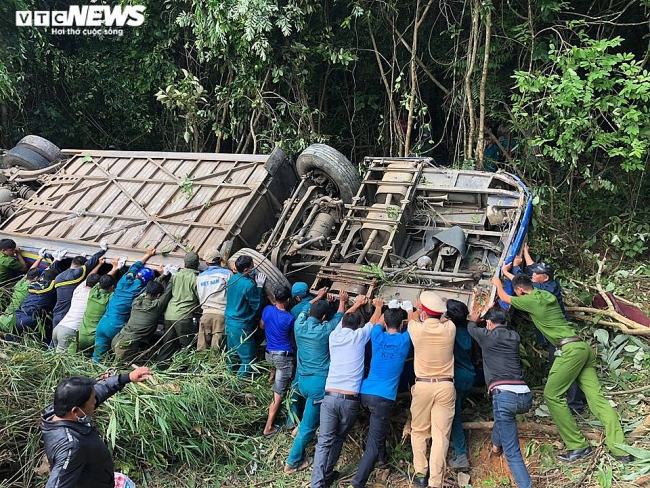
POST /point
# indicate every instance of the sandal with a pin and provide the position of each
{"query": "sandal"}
(304, 465)
(496, 453)
(272, 434)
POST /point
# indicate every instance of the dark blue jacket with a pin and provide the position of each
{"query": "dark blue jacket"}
(67, 281)
(41, 296)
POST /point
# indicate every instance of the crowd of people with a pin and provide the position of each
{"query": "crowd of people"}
(316, 343)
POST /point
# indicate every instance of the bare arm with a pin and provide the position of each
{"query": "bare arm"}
(21, 259)
(150, 252)
(343, 301)
(378, 303)
(529, 260)
(496, 281)
(37, 263)
(322, 293)
(359, 302)
(95, 270)
(114, 263)
(505, 270)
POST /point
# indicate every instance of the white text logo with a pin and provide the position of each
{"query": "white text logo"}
(83, 16)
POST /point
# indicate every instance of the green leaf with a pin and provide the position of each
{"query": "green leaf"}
(602, 336)
(637, 452)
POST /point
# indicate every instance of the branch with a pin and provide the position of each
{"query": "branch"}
(626, 325)
(384, 79)
(528, 428)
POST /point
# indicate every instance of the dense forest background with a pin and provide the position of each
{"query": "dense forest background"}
(560, 88)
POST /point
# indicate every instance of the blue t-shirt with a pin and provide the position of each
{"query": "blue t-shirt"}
(278, 325)
(389, 352)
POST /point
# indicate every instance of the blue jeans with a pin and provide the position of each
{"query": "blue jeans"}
(241, 344)
(337, 416)
(463, 389)
(313, 389)
(380, 409)
(504, 434)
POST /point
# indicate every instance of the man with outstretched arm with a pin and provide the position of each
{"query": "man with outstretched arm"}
(66, 282)
(340, 407)
(510, 394)
(77, 455)
(312, 331)
(390, 347)
(118, 309)
(542, 276)
(575, 360)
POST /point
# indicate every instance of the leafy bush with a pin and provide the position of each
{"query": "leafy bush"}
(194, 410)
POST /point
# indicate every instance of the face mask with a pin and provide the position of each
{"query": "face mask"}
(85, 419)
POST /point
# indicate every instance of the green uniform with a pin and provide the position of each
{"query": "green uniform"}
(97, 301)
(8, 319)
(138, 331)
(180, 328)
(9, 266)
(575, 361)
(185, 296)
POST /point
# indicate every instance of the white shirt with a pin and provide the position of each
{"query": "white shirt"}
(513, 388)
(72, 319)
(347, 351)
(211, 287)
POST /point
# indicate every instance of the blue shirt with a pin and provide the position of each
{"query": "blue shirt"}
(118, 309)
(312, 339)
(302, 306)
(278, 326)
(389, 352)
(243, 298)
(463, 367)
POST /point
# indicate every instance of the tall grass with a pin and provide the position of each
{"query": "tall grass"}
(195, 411)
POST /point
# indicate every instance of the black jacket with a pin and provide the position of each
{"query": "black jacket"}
(500, 347)
(77, 455)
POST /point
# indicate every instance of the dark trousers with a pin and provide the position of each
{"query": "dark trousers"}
(380, 409)
(178, 334)
(337, 416)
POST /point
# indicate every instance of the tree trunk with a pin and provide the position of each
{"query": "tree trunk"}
(414, 74)
(481, 99)
(471, 62)
(394, 118)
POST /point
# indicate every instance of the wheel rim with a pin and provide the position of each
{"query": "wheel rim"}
(322, 180)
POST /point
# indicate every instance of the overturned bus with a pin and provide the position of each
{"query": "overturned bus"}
(405, 226)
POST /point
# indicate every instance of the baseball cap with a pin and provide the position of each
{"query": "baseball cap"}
(299, 289)
(541, 268)
(212, 255)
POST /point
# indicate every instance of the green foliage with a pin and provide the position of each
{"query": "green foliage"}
(591, 104)
(627, 236)
(604, 475)
(194, 410)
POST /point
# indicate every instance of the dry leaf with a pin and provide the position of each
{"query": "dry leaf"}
(463, 479)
